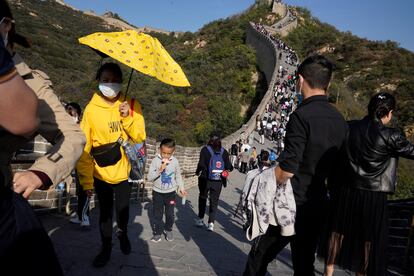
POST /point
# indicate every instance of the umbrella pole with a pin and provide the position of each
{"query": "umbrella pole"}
(129, 82)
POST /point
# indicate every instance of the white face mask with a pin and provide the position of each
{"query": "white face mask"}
(298, 87)
(110, 90)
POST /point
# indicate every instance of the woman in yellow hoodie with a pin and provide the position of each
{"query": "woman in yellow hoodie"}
(108, 117)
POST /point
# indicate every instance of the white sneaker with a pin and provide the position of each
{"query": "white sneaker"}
(210, 227)
(75, 220)
(199, 222)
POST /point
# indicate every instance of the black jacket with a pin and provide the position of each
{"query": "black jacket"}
(203, 163)
(373, 150)
(314, 135)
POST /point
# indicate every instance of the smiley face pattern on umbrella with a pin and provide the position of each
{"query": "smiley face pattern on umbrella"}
(140, 51)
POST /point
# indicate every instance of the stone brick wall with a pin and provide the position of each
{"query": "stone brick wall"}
(266, 53)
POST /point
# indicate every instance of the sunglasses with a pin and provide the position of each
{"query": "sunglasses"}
(7, 20)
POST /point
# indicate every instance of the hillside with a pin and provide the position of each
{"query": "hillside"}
(363, 68)
(226, 85)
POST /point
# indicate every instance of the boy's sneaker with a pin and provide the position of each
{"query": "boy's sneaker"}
(156, 238)
(210, 227)
(199, 222)
(169, 235)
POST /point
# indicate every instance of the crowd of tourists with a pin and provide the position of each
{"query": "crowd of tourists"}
(344, 222)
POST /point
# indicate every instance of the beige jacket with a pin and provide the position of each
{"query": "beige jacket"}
(56, 126)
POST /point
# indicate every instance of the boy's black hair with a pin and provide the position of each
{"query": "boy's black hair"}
(109, 66)
(317, 71)
(168, 142)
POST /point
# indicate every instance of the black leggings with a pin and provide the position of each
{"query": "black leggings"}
(105, 193)
(206, 186)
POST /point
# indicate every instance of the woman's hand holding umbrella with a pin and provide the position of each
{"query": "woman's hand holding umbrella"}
(124, 109)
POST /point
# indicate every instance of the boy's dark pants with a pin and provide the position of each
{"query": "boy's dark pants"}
(160, 202)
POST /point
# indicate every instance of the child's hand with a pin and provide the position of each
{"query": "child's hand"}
(183, 192)
(164, 164)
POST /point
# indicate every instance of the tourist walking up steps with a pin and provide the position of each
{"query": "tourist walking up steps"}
(107, 119)
(357, 238)
(165, 173)
(212, 169)
(314, 135)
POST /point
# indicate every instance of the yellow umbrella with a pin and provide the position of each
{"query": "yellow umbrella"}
(139, 51)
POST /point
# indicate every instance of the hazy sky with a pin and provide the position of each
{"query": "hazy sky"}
(372, 19)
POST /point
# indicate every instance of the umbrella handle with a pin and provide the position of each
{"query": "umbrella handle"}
(129, 82)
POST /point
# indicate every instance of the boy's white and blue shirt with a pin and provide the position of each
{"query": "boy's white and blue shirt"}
(169, 180)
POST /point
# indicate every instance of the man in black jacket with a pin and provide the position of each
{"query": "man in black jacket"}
(314, 135)
(210, 183)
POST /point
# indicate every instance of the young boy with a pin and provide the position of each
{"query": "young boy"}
(165, 174)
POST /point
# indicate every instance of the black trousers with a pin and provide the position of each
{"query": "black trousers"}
(25, 247)
(160, 203)
(105, 193)
(82, 209)
(214, 188)
(243, 167)
(310, 219)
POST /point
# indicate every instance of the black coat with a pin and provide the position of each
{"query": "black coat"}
(372, 155)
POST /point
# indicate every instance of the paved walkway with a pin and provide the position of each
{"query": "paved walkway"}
(194, 251)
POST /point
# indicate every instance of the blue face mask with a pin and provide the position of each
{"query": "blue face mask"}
(110, 89)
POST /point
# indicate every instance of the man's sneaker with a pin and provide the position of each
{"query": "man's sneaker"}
(75, 220)
(169, 235)
(124, 243)
(85, 222)
(210, 227)
(199, 222)
(156, 238)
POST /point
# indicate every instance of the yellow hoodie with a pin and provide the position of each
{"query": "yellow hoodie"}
(103, 124)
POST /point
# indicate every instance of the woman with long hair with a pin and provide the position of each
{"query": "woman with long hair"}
(358, 228)
(212, 169)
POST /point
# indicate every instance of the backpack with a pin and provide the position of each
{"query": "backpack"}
(216, 164)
